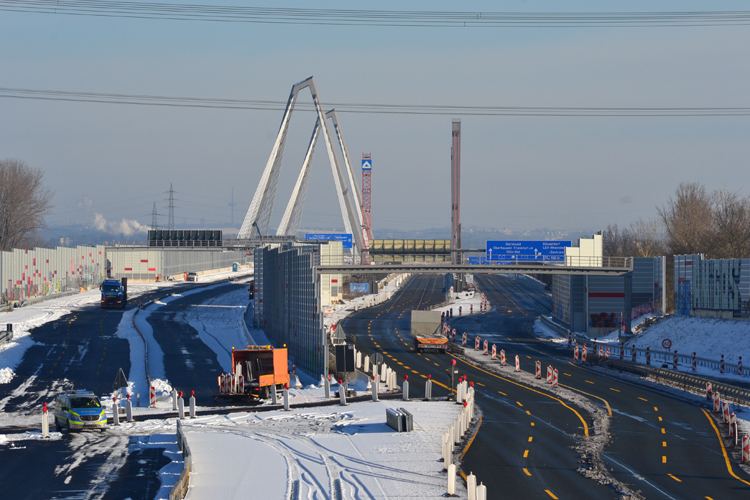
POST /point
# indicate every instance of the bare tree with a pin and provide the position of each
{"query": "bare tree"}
(646, 238)
(24, 201)
(688, 220)
(731, 218)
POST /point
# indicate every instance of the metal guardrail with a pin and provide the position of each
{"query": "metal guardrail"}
(180, 489)
(731, 393)
(7, 335)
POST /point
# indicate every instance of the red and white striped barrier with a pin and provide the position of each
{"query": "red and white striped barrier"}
(622, 353)
(459, 310)
(486, 347)
(648, 355)
(538, 369)
(725, 411)
(549, 374)
(575, 353)
(454, 333)
(494, 352)
(471, 309)
(241, 384)
(463, 339)
(746, 449)
(606, 356)
(554, 378)
(695, 363)
(477, 340)
(708, 391)
(570, 340)
(584, 354)
(717, 402)
(732, 425)
(721, 364)
(674, 361)
(633, 353)
(518, 363)
(739, 366)
(601, 352)
(152, 397)
(502, 357)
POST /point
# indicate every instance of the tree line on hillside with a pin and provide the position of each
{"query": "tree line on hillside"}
(693, 221)
(24, 201)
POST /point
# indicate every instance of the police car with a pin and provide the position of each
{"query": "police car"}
(79, 410)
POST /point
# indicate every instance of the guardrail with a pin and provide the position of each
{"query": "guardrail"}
(686, 381)
(180, 489)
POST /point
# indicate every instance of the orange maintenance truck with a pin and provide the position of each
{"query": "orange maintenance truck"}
(254, 371)
(426, 328)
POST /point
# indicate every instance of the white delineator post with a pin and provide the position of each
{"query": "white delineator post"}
(451, 479)
(375, 383)
(342, 393)
(192, 404)
(471, 486)
(274, 397)
(286, 397)
(428, 388)
(115, 412)
(128, 409)
(405, 388)
(45, 422)
(367, 364)
(481, 492)
(174, 399)
(180, 406)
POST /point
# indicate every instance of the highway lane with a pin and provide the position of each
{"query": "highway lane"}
(661, 444)
(80, 351)
(525, 444)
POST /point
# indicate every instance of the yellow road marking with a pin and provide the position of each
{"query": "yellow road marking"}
(550, 494)
(399, 362)
(408, 368)
(656, 409)
(723, 449)
(531, 438)
(643, 399)
(585, 425)
(526, 454)
(437, 364)
(613, 389)
(479, 383)
(663, 430)
(609, 410)
(527, 472)
(664, 459)
(423, 376)
(676, 479)
(589, 382)
(519, 403)
(532, 424)
(567, 374)
(528, 413)
(415, 371)
(501, 392)
(664, 444)
(660, 419)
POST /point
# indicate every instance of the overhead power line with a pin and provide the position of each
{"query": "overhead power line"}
(402, 109)
(347, 17)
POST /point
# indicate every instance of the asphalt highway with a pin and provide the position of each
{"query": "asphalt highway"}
(659, 444)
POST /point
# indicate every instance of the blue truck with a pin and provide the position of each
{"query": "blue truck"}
(114, 293)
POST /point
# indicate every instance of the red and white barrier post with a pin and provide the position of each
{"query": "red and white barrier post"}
(494, 351)
(606, 356)
(721, 364)
(601, 352)
(622, 353)
(717, 402)
(486, 347)
(633, 353)
(152, 397)
(570, 339)
(477, 340)
(708, 391)
(648, 355)
(575, 353)
(454, 333)
(463, 339)
(746, 449)
(538, 369)
(584, 354)
(674, 361)
(518, 363)
(45, 422)
(733, 426)
(549, 374)
(502, 357)
(554, 378)
(725, 411)
(471, 309)
(739, 366)
(459, 310)
(695, 363)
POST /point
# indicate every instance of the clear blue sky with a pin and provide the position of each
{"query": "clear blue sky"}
(518, 172)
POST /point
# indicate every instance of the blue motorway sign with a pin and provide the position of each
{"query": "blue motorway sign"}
(359, 287)
(345, 238)
(367, 164)
(503, 252)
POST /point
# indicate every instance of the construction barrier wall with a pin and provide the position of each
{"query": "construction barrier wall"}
(713, 288)
(27, 274)
(143, 263)
(288, 301)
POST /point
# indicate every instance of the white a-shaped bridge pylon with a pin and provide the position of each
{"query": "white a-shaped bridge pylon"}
(259, 214)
